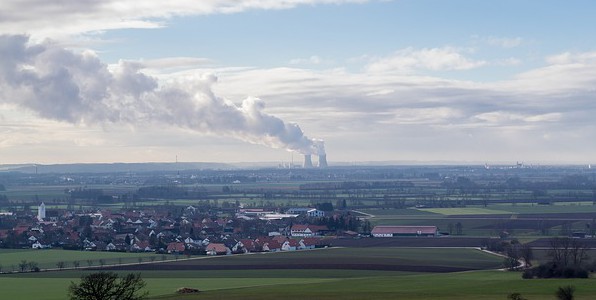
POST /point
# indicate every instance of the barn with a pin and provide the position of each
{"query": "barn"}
(391, 231)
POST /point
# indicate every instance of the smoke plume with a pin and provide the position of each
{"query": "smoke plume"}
(78, 88)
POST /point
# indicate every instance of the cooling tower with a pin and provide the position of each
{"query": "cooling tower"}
(323, 161)
(307, 161)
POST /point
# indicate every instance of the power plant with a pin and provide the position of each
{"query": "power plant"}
(323, 161)
(308, 161)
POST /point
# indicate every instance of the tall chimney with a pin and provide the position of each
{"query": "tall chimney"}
(307, 161)
(323, 161)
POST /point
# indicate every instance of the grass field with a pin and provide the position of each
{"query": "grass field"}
(311, 284)
(161, 281)
(487, 285)
(397, 259)
(558, 208)
(47, 259)
(464, 211)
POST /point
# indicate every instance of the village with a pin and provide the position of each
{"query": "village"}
(176, 230)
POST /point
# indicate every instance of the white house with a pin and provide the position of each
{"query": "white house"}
(307, 230)
(315, 213)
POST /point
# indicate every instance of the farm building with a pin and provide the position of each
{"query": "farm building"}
(391, 231)
(307, 230)
(306, 211)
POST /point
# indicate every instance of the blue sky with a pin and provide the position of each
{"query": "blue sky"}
(424, 81)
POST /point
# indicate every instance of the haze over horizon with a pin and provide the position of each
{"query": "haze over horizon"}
(245, 81)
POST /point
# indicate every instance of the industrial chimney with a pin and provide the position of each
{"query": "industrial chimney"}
(323, 161)
(307, 161)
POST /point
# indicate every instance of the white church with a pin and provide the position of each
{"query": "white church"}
(41, 212)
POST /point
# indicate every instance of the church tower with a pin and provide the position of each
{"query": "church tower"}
(41, 212)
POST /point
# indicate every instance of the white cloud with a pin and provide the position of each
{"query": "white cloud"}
(504, 42)
(313, 60)
(168, 63)
(506, 118)
(434, 59)
(78, 88)
(511, 61)
(55, 19)
(571, 58)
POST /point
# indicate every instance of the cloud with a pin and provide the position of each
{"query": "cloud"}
(390, 110)
(172, 63)
(545, 113)
(504, 42)
(433, 59)
(313, 60)
(40, 18)
(507, 118)
(572, 58)
(61, 85)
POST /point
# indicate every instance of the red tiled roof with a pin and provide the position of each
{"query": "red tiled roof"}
(310, 241)
(273, 245)
(218, 248)
(175, 246)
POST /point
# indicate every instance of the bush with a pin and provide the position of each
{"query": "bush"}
(528, 274)
(565, 292)
(550, 270)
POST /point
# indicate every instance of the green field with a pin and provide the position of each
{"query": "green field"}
(160, 282)
(309, 284)
(466, 285)
(48, 259)
(401, 259)
(464, 211)
(557, 208)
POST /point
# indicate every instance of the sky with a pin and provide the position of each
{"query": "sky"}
(456, 81)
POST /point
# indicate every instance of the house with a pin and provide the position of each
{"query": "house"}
(299, 210)
(290, 245)
(307, 230)
(391, 231)
(308, 243)
(38, 245)
(250, 245)
(217, 249)
(110, 247)
(271, 246)
(315, 213)
(175, 247)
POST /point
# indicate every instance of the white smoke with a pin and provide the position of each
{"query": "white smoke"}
(78, 88)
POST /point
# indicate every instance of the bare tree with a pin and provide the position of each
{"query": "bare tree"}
(23, 265)
(107, 286)
(60, 265)
(76, 264)
(33, 266)
(527, 254)
(567, 252)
